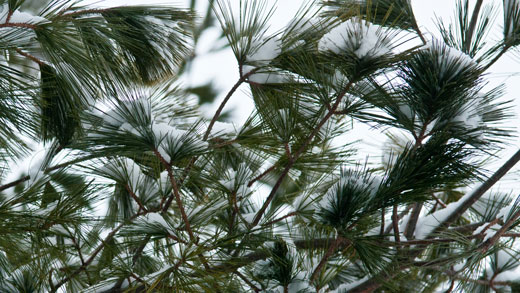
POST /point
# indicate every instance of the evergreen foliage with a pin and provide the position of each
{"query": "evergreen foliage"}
(131, 189)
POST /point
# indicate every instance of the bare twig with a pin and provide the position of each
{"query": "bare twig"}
(296, 155)
(136, 199)
(261, 175)
(224, 102)
(395, 224)
(472, 25)
(175, 195)
(30, 57)
(94, 253)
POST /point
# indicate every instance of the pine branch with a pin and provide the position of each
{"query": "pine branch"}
(477, 193)
(484, 247)
(395, 224)
(241, 80)
(175, 195)
(30, 57)
(50, 169)
(135, 198)
(472, 25)
(412, 222)
(267, 171)
(330, 251)
(95, 252)
(19, 25)
(296, 155)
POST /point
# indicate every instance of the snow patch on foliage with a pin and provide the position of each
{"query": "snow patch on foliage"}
(426, 225)
(448, 57)
(19, 17)
(263, 51)
(124, 171)
(358, 36)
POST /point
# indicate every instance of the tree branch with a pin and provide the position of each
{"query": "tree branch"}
(477, 193)
(226, 99)
(95, 253)
(175, 195)
(296, 155)
(472, 25)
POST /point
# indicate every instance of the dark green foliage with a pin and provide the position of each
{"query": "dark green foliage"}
(131, 188)
(60, 111)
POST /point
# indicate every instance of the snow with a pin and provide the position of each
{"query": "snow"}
(20, 17)
(36, 171)
(505, 212)
(264, 49)
(223, 129)
(123, 170)
(426, 225)
(249, 217)
(161, 130)
(508, 276)
(347, 287)
(355, 35)
(407, 111)
(448, 57)
(129, 128)
(264, 77)
(469, 116)
(491, 231)
(504, 258)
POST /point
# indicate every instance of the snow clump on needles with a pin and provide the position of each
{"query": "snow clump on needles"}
(356, 35)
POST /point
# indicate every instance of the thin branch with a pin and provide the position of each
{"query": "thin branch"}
(95, 253)
(226, 99)
(176, 195)
(280, 219)
(332, 249)
(382, 230)
(136, 199)
(31, 57)
(19, 25)
(401, 215)
(296, 155)
(477, 193)
(253, 287)
(412, 222)
(85, 11)
(14, 183)
(395, 224)
(439, 201)
(489, 242)
(472, 25)
(261, 175)
(50, 169)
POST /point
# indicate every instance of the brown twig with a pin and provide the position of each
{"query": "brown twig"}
(330, 251)
(175, 195)
(31, 57)
(261, 175)
(253, 287)
(19, 25)
(94, 253)
(136, 199)
(472, 25)
(226, 99)
(280, 219)
(477, 193)
(395, 224)
(296, 155)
